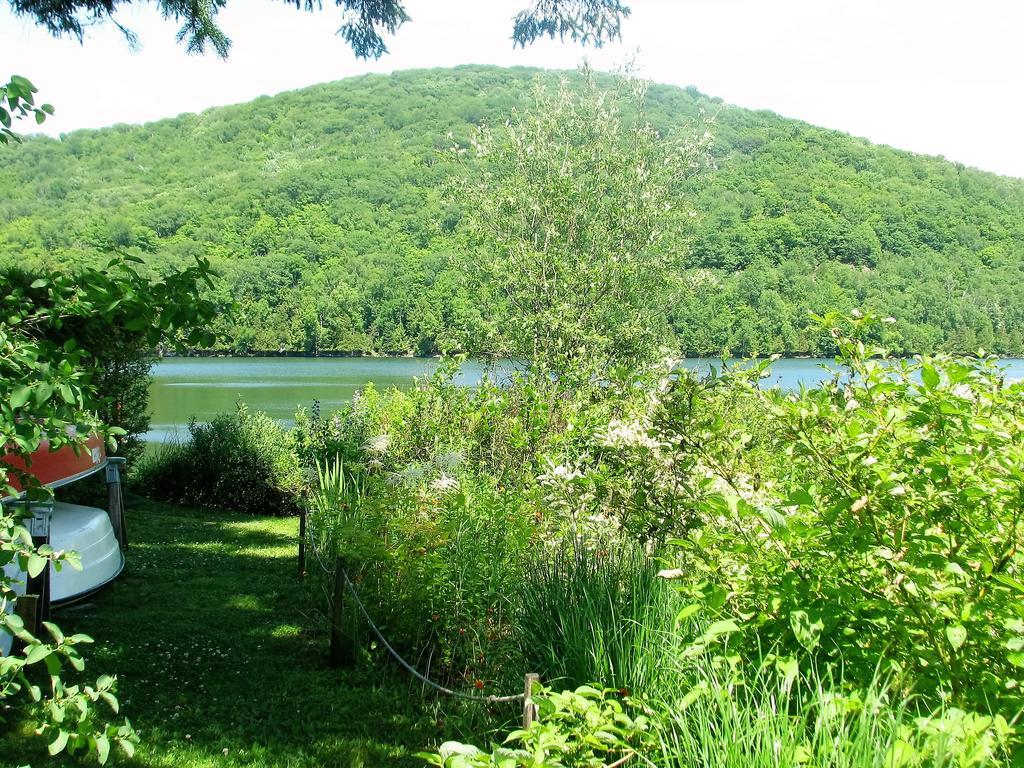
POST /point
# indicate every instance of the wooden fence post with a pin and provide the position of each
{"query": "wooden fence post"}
(529, 708)
(302, 540)
(39, 587)
(115, 505)
(341, 645)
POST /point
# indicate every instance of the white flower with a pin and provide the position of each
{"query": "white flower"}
(869, 461)
(671, 573)
(899, 490)
(963, 391)
(628, 434)
(378, 444)
(558, 474)
(857, 314)
(444, 483)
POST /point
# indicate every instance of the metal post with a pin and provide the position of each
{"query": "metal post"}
(302, 541)
(529, 708)
(341, 645)
(39, 586)
(115, 507)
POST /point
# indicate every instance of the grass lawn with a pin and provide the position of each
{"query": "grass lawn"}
(221, 661)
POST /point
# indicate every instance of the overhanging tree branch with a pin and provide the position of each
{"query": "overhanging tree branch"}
(365, 22)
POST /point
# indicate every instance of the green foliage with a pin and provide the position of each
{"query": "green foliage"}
(773, 719)
(237, 462)
(573, 240)
(581, 727)
(17, 100)
(888, 530)
(49, 379)
(68, 715)
(333, 235)
(364, 21)
(780, 718)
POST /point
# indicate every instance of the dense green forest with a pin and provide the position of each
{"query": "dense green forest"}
(322, 209)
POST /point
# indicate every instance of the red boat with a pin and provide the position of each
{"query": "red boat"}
(65, 465)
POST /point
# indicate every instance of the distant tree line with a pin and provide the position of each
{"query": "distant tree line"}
(323, 210)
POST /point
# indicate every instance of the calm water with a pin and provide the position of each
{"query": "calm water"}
(185, 388)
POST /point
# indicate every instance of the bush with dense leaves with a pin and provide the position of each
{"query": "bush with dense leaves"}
(240, 462)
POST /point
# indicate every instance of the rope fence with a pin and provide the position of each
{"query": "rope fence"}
(409, 667)
(342, 651)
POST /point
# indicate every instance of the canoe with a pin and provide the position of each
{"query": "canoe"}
(86, 531)
(62, 466)
(72, 527)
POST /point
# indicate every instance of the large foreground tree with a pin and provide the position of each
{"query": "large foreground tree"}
(364, 22)
(573, 216)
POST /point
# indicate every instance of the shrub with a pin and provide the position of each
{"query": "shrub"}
(435, 559)
(892, 530)
(581, 727)
(241, 462)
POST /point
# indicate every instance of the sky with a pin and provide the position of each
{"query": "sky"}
(942, 77)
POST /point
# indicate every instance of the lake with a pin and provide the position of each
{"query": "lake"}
(200, 387)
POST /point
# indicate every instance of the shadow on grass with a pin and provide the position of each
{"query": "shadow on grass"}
(220, 660)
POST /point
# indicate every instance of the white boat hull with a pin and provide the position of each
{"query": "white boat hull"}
(88, 532)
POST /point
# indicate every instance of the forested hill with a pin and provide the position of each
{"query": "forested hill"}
(322, 209)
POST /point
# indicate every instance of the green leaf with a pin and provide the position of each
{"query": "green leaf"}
(687, 612)
(20, 396)
(37, 653)
(1009, 581)
(693, 694)
(36, 564)
(43, 391)
(58, 744)
(800, 498)
(723, 627)
(957, 635)
(807, 632)
(929, 376)
(102, 749)
(23, 84)
(54, 630)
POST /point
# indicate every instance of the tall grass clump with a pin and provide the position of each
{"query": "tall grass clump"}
(599, 612)
(779, 717)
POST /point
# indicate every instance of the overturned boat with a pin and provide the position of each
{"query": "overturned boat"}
(96, 536)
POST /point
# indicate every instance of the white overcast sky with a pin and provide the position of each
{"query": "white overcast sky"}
(936, 76)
